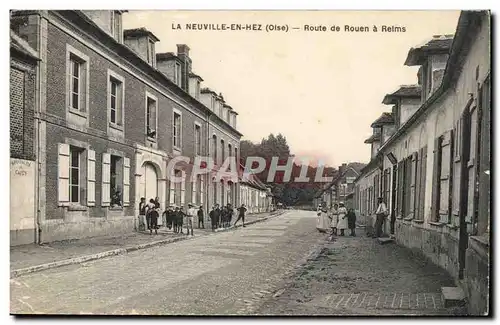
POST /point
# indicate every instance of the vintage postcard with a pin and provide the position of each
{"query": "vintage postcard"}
(222, 163)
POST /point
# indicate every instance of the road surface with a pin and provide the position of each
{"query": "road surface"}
(226, 273)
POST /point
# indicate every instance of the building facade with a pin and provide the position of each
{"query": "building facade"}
(113, 115)
(23, 102)
(435, 167)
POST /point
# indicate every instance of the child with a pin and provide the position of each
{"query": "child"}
(351, 221)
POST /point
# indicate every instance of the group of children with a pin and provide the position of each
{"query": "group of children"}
(175, 217)
(337, 218)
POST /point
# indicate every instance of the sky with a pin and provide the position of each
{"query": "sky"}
(320, 89)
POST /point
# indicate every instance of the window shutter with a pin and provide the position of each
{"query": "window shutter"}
(63, 174)
(90, 178)
(194, 199)
(435, 182)
(418, 185)
(413, 191)
(183, 188)
(423, 182)
(202, 189)
(106, 165)
(445, 183)
(126, 182)
(400, 188)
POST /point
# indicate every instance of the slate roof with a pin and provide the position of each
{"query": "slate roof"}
(385, 118)
(138, 32)
(373, 138)
(438, 44)
(412, 91)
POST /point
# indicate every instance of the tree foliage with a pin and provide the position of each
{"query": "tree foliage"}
(289, 193)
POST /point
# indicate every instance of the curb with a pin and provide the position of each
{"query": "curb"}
(114, 252)
(250, 222)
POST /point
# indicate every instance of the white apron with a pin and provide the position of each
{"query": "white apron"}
(322, 221)
(342, 223)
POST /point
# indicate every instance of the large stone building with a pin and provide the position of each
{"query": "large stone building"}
(433, 166)
(112, 114)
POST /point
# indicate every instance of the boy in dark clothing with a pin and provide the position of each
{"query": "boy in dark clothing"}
(351, 221)
(214, 217)
(200, 218)
(241, 215)
(142, 214)
(229, 212)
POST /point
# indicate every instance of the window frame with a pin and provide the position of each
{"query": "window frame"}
(176, 138)
(114, 77)
(197, 139)
(72, 151)
(74, 55)
(149, 96)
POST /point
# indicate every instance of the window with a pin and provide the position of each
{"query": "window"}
(151, 116)
(115, 25)
(116, 181)
(177, 130)
(421, 184)
(484, 161)
(222, 150)
(151, 53)
(77, 80)
(441, 199)
(115, 99)
(236, 157)
(177, 74)
(197, 139)
(214, 185)
(212, 103)
(228, 116)
(74, 177)
(214, 148)
(197, 91)
(229, 152)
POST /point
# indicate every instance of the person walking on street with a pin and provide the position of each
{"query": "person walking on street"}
(191, 213)
(201, 220)
(149, 207)
(351, 221)
(380, 214)
(152, 216)
(241, 215)
(334, 218)
(342, 213)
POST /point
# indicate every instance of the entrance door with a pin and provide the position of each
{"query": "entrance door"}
(464, 145)
(150, 182)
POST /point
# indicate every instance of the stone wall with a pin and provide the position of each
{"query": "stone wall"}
(477, 276)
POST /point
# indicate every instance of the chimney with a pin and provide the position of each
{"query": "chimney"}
(342, 168)
(183, 55)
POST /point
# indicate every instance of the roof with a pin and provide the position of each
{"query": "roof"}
(22, 47)
(165, 56)
(373, 138)
(368, 167)
(408, 91)
(227, 106)
(385, 118)
(467, 26)
(194, 75)
(207, 90)
(139, 32)
(436, 45)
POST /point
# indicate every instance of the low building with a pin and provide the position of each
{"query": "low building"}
(436, 165)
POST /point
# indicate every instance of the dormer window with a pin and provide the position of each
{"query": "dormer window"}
(177, 74)
(115, 25)
(151, 53)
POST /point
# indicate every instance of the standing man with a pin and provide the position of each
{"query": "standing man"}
(230, 212)
(201, 218)
(351, 221)
(142, 214)
(191, 213)
(213, 218)
(241, 215)
(381, 214)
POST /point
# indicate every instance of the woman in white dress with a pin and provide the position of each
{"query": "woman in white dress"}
(334, 218)
(342, 223)
(322, 221)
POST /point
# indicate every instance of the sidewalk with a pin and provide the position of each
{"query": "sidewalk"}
(29, 258)
(359, 276)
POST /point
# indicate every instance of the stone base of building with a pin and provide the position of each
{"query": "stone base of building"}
(440, 245)
(476, 280)
(57, 230)
(22, 237)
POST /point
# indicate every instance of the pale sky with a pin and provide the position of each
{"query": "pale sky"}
(321, 90)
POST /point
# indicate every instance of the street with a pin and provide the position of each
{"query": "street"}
(222, 274)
